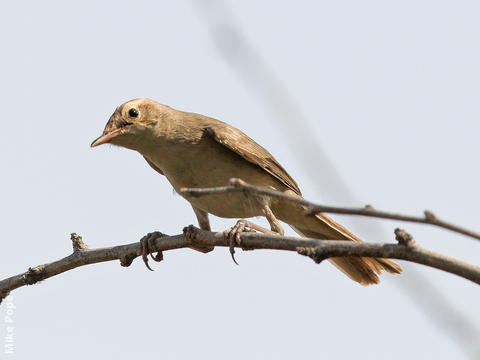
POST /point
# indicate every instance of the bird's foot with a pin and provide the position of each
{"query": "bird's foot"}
(146, 244)
(233, 234)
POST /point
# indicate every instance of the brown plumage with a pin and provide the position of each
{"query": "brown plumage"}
(193, 150)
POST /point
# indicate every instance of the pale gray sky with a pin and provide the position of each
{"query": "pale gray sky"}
(392, 91)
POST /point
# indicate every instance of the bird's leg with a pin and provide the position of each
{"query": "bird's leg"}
(146, 244)
(202, 217)
(272, 220)
(233, 235)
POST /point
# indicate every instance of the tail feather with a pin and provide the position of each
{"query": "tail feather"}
(363, 270)
(360, 269)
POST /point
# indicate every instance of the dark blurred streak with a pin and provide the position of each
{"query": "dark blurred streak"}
(253, 70)
(437, 308)
(273, 95)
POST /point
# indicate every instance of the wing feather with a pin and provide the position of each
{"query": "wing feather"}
(247, 148)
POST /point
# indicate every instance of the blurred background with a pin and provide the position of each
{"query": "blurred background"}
(366, 102)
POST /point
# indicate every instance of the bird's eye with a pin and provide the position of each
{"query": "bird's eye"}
(133, 112)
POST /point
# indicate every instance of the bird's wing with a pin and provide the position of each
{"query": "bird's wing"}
(154, 167)
(247, 148)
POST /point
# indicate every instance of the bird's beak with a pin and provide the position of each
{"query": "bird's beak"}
(106, 138)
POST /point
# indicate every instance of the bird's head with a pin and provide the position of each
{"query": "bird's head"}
(131, 123)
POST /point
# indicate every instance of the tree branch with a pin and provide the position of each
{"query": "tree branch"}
(318, 250)
(237, 185)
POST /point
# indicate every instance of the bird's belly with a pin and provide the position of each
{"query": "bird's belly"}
(208, 168)
(228, 205)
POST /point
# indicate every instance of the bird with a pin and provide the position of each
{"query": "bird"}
(197, 151)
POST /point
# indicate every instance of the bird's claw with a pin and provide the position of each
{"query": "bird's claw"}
(233, 236)
(146, 244)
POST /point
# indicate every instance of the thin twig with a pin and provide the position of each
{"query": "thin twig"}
(237, 185)
(318, 250)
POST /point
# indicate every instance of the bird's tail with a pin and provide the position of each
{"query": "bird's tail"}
(363, 270)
